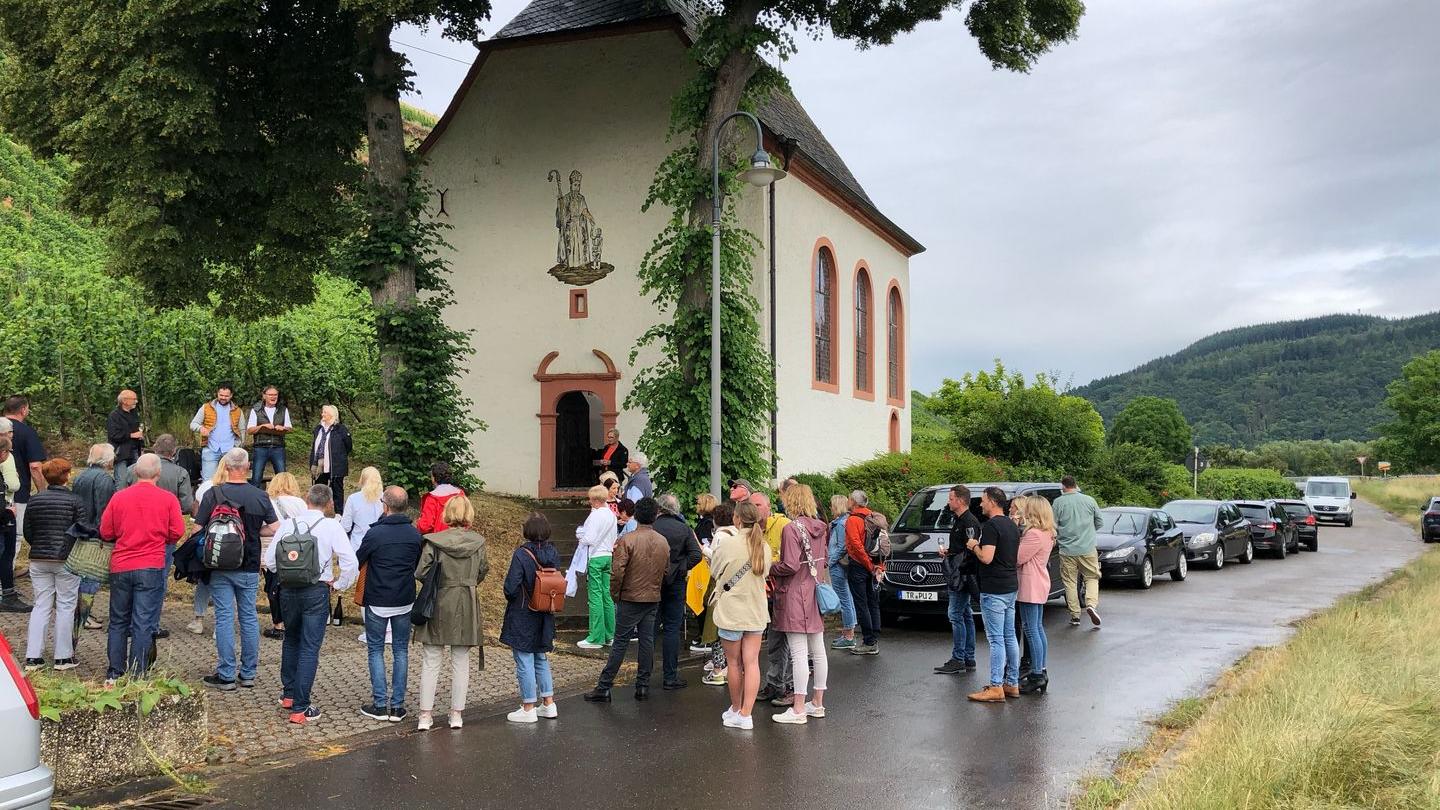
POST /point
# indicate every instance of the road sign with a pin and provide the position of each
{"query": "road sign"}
(1383, 465)
(1197, 464)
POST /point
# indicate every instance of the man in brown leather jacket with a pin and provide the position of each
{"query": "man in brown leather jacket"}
(637, 571)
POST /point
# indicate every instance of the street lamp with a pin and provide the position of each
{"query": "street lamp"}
(762, 172)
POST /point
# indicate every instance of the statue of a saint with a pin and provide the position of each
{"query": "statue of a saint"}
(577, 248)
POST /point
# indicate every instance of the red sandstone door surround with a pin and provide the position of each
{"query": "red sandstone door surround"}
(554, 386)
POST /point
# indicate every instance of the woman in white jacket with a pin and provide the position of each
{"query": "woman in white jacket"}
(597, 539)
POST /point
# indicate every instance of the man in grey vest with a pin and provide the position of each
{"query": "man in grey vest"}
(269, 422)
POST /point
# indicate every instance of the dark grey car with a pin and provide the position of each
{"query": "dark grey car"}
(1215, 531)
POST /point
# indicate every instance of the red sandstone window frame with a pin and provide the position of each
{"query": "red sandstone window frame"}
(895, 339)
(864, 332)
(824, 248)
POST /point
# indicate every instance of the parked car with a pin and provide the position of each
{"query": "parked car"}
(1430, 521)
(1215, 531)
(914, 582)
(25, 783)
(1137, 544)
(1329, 498)
(1270, 527)
(1307, 533)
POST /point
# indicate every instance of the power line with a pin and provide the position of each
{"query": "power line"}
(432, 53)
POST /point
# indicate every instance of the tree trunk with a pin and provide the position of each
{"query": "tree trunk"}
(388, 169)
(731, 77)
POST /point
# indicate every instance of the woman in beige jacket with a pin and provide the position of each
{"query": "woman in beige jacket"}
(739, 562)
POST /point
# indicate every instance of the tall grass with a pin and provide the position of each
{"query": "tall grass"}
(1402, 497)
(1347, 714)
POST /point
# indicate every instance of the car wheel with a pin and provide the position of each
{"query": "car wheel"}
(1249, 555)
(1181, 569)
(1349, 522)
(1147, 574)
(1313, 545)
(1219, 561)
(1280, 554)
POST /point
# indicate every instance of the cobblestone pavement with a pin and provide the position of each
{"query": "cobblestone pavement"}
(248, 723)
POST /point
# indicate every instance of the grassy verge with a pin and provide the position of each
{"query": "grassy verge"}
(1401, 497)
(1346, 714)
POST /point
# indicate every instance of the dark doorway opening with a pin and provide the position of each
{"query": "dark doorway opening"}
(577, 418)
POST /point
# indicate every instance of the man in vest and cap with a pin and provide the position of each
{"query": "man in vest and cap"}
(218, 425)
(269, 422)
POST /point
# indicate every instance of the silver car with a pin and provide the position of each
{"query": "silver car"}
(25, 783)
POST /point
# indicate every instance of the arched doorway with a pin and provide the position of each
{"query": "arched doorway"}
(579, 429)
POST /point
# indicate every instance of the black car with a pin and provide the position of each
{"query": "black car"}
(914, 582)
(1307, 533)
(1270, 527)
(1136, 544)
(1430, 521)
(1215, 531)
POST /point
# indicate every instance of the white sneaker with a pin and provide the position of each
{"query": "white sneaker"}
(697, 647)
(738, 720)
(426, 723)
(587, 644)
(197, 626)
(730, 714)
(549, 712)
(789, 716)
(522, 716)
(457, 721)
(812, 710)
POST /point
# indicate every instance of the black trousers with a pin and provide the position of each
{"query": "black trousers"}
(337, 489)
(867, 601)
(669, 627)
(631, 617)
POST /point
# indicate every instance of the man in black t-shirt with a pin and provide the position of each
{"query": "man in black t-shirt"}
(233, 592)
(996, 549)
(960, 568)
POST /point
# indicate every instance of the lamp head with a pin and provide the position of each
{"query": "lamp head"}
(762, 171)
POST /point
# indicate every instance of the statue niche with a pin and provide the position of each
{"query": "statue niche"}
(578, 247)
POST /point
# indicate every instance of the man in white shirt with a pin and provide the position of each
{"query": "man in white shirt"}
(597, 539)
(306, 608)
(269, 422)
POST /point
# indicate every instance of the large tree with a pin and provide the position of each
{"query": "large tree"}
(1415, 398)
(733, 36)
(1153, 422)
(219, 141)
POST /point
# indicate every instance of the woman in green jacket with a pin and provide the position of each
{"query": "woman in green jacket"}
(460, 553)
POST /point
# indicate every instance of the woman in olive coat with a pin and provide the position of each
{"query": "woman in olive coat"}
(459, 551)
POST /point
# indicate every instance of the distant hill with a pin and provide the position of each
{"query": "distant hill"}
(1319, 378)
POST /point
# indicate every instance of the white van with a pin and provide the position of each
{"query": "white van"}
(1329, 499)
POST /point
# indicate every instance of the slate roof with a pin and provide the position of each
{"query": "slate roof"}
(782, 114)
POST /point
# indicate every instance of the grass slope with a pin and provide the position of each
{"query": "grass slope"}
(1319, 378)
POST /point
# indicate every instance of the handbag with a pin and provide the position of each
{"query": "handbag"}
(359, 595)
(547, 592)
(89, 557)
(426, 603)
(825, 595)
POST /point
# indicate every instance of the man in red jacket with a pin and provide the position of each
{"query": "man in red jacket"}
(863, 575)
(140, 521)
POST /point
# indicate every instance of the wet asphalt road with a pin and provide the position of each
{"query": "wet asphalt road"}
(897, 735)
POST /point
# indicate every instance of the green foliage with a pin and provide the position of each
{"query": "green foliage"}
(927, 427)
(1128, 475)
(1298, 458)
(1179, 483)
(1242, 484)
(75, 335)
(60, 694)
(1153, 422)
(997, 414)
(891, 478)
(1320, 378)
(825, 487)
(1415, 400)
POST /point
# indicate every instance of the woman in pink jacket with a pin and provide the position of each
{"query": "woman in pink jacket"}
(1032, 563)
(797, 610)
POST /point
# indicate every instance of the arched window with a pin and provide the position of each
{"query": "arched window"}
(895, 327)
(864, 334)
(824, 317)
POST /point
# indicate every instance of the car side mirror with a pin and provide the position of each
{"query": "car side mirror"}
(1352, 496)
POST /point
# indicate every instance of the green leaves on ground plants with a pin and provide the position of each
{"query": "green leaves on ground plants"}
(60, 694)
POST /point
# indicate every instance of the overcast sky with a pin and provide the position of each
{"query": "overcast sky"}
(1184, 166)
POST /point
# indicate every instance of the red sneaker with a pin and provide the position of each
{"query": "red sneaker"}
(287, 703)
(301, 718)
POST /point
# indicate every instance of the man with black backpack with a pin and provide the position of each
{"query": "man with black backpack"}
(305, 545)
(235, 516)
(867, 543)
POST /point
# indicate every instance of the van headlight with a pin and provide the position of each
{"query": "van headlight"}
(1201, 539)
(1119, 553)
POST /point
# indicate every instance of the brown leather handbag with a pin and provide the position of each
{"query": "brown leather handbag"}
(359, 596)
(547, 592)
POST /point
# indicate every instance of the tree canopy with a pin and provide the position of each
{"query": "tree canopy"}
(1155, 423)
(1415, 399)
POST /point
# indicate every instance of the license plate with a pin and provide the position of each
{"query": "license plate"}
(920, 596)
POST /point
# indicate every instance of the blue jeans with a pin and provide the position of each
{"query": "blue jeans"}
(669, 626)
(233, 593)
(842, 590)
(962, 626)
(274, 456)
(399, 654)
(532, 671)
(135, 598)
(307, 614)
(1032, 617)
(209, 462)
(999, 612)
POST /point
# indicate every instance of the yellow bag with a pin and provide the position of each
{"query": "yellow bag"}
(696, 585)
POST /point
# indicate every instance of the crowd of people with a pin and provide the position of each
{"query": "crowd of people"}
(758, 581)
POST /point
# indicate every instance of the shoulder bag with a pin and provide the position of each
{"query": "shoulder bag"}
(89, 557)
(426, 603)
(825, 595)
(547, 591)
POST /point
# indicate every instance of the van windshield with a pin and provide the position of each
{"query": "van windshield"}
(1327, 489)
(927, 512)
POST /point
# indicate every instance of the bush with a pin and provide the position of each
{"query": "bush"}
(1127, 475)
(1244, 485)
(1179, 484)
(890, 479)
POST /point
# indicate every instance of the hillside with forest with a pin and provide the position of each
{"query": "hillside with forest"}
(1318, 378)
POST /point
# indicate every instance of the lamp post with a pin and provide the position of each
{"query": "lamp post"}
(761, 173)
